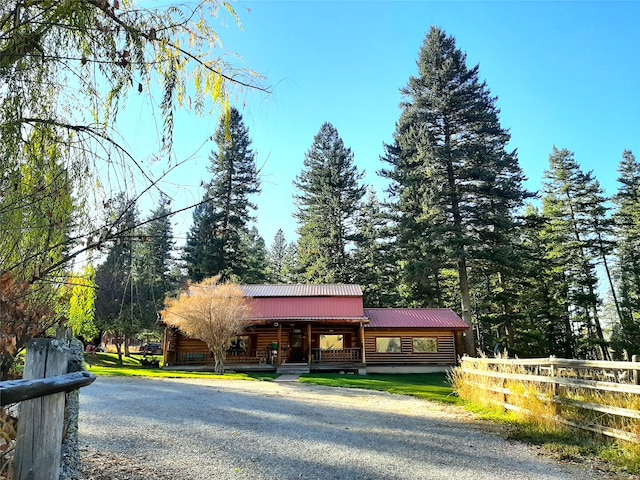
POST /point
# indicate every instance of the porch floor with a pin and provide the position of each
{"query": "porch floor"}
(285, 368)
(241, 367)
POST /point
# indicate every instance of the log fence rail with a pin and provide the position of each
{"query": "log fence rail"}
(573, 388)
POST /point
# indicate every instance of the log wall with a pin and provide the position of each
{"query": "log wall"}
(446, 354)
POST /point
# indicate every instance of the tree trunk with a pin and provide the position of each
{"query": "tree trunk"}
(219, 364)
(469, 341)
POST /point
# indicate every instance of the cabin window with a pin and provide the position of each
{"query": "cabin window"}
(425, 345)
(388, 345)
(240, 344)
(331, 342)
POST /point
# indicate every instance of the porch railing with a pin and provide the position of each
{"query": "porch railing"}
(205, 357)
(337, 355)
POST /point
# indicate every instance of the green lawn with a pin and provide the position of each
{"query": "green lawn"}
(429, 386)
(432, 386)
(106, 364)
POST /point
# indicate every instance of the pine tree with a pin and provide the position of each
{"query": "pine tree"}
(546, 328)
(373, 261)
(214, 243)
(454, 184)
(418, 249)
(627, 231)
(276, 258)
(254, 260)
(155, 263)
(290, 270)
(117, 306)
(328, 202)
(569, 204)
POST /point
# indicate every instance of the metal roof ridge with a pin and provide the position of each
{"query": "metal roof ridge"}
(409, 308)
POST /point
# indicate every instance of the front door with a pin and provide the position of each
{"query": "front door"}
(297, 348)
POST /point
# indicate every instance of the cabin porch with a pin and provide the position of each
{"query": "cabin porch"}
(321, 345)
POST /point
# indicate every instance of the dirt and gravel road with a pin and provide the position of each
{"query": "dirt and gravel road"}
(200, 430)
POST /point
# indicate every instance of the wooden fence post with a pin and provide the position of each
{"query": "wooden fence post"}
(40, 423)
(636, 375)
(552, 371)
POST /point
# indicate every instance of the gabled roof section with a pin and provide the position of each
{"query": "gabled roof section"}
(285, 290)
(308, 308)
(414, 318)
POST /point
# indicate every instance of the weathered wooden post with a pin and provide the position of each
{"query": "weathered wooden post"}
(41, 419)
(552, 372)
(636, 374)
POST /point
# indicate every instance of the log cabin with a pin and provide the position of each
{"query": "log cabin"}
(327, 328)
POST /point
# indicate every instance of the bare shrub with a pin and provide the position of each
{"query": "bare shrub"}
(212, 312)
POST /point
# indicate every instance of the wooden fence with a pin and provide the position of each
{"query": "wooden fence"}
(41, 412)
(598, 396)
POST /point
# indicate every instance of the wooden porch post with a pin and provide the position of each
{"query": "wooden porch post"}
(364, 359)
(308, 344)
(278, 358)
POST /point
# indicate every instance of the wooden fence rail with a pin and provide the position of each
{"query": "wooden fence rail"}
(14, 391)
(573, 387)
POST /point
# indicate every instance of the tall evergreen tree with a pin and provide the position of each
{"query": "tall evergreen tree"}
(454, 183)
(627, 231)
(545, 327)
(569, 204)
(214, 243)
(276, 258)
(254, 260)
(328, 200)
(290, 270)
(419, 252)
(373, 261)
(117, 306)
(154, 264)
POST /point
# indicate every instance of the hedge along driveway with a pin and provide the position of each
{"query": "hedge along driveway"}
(203, 429)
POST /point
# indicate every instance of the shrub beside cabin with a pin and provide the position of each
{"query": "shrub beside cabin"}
(327, 328)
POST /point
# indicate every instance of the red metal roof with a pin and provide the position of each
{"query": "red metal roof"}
(284, 290)
(414, 318)
(326, 308)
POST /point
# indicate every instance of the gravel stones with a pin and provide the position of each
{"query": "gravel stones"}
(179, 429)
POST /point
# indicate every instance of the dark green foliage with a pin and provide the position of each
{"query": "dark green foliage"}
(573, 206)
(543, 302)
(254, 261)
(117, 306)
(154, 264)
(328, 200)
(281, 260)
(626, 335)
(455, 187)
(215, 241)
(373, 261)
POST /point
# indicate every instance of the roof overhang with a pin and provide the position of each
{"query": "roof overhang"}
(309, 320)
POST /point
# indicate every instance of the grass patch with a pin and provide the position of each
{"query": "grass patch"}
(106, 364)
(111, 360)
(428, 386)
(561, 442)
(159, 373)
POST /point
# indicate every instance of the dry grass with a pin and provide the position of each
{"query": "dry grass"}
(8, 434)
(534, 415)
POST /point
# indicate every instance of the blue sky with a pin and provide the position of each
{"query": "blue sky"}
(565, 74)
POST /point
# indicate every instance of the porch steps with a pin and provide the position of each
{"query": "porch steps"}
(293, 368)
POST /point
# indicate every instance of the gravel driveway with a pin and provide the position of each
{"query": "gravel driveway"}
(217, 429)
